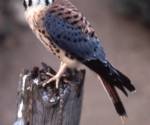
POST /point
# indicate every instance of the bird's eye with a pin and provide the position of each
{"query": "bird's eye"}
(49, 2)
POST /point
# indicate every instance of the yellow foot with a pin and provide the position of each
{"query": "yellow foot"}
(54, 78)
(57, 77)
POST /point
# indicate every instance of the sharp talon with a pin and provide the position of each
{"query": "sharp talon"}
(49, 74)
(49, 81)
(56, 77)
(44, 84)
(57, 83)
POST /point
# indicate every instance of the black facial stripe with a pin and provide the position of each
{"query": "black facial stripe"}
(30, 2)
(47, 2)
(25, 4)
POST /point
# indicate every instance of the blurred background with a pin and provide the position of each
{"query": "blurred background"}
(124, 28)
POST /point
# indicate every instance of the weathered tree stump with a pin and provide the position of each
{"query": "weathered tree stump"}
(38, 105)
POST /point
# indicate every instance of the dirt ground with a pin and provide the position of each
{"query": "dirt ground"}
(127, 45)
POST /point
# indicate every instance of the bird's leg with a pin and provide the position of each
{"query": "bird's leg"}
(50, 74)
(58, 75)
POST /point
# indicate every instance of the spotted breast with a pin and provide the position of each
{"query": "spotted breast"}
(35, 17)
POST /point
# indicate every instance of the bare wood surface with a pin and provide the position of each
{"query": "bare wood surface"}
(39, 105)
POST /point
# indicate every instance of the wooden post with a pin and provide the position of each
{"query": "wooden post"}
(39, 105)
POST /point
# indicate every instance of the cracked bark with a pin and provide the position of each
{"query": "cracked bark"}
(39, 105)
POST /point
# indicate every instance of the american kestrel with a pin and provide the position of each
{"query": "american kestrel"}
(64, 31)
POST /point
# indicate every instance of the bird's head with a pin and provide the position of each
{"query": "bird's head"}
(31, 3)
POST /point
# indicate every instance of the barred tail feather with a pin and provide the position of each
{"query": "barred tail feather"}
(112, 78)
(115, 99)
(111, 75)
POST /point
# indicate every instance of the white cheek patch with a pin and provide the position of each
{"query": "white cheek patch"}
(43, 2)
(39, 2)
(27, 2)
(50, 1)
(35, 2)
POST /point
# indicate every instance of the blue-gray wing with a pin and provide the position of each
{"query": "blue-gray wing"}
(72, 40)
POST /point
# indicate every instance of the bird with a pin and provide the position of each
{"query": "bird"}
(66, 33)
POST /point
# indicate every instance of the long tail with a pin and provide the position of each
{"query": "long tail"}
(112, 78)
